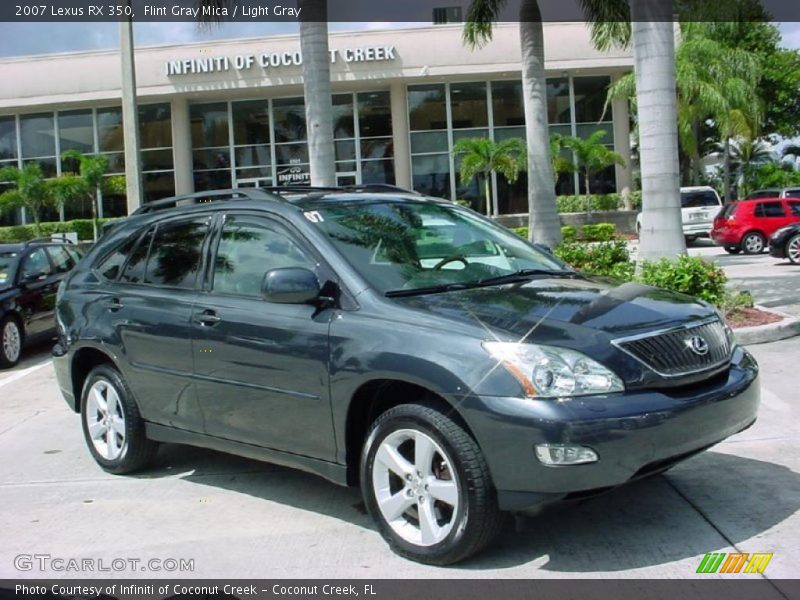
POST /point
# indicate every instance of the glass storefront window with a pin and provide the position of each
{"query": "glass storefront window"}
(431, 174)
(289, 120)
(37, 133)
(374, 114)
(343, 125)
(377, 148)
(558, 108)
(590, 99)
(250, 122)
(427, 107)
(209, 125)
(155, 126)
(507, 107)
(158, 185)
(468, 106)
(377, 171)
(109, 130)
(8, 138)
(253, 156)
(76, 131)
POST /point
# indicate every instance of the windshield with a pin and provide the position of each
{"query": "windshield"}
(415, 245)
(8, 264)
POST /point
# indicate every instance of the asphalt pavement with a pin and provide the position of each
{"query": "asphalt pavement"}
(239, 518)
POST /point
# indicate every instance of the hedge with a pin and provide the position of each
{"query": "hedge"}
(21, 233)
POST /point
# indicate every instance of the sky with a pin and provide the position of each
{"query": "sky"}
(22, 39)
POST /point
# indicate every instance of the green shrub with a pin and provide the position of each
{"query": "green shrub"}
(595, 202)
(571, 204)
(689, 275)
(610, 259)
(569, 234)
(22, 233)
(598, 232)
(521, 231)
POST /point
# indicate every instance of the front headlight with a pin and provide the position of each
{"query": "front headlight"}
(550, 372)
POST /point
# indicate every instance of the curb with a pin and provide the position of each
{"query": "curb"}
(771, 332)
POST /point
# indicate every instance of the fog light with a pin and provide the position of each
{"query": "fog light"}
(564, 454)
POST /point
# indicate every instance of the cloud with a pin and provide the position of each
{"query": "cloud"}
(790, 32)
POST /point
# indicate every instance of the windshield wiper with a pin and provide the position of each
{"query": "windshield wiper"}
(523, 274)
(433, 289)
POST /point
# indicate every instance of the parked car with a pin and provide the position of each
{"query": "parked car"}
(29, 276)
(746, 225)
(397, 342)
(792, 192)
(699, 206)
(785, 243)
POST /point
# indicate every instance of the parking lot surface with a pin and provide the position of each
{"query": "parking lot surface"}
(239, 518)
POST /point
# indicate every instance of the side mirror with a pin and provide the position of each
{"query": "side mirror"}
(290, 286)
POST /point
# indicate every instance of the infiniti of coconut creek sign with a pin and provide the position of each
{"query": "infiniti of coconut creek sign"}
(274, 60)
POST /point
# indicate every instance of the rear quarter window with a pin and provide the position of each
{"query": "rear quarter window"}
(769, 209)
(794, 209)
(110, 266)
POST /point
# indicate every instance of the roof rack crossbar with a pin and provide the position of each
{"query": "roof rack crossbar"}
(210, 196)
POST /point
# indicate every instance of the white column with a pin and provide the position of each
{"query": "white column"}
(182, 146)
(130, 118)
(402, 149)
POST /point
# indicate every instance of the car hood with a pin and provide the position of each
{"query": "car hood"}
(564, 310)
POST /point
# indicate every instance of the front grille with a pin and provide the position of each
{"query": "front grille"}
(676, 352)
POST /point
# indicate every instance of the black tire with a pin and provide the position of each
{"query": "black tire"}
(790, 246)
(9, 357)
(136, 450)
(733, 249)
(476, 521)
(753, 243)
(690, 239)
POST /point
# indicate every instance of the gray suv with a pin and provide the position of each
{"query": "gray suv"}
(400, 343)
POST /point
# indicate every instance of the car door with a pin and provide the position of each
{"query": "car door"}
(150, 307)
(771, 215)
(262, 368)
(38, 285)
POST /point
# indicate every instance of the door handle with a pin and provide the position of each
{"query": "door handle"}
(207, 318)
(114, 304)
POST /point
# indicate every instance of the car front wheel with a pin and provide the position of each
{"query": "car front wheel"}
(112, 427)
(427, 485)
(753, 243)
(793, 249)
(10, 342)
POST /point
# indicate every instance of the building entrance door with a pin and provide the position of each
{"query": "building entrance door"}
(344, 179)
(254, 182)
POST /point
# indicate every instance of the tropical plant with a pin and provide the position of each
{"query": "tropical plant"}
(561, 164)
(744, 157)
(591, 155)
(543, 222)
(482, 156)
(86, 182)
(29, 190)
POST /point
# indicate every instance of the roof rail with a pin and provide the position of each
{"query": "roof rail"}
(48, 240)
(205, 197)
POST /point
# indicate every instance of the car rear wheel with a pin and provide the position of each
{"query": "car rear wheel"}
(793, 249)
(753, 243)
(10, 342)
(112, 427)
(733, 249)
(427, 485)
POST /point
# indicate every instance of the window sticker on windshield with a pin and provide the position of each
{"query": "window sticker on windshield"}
(314, 216)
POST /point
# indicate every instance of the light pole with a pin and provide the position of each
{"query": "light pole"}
(130, 116)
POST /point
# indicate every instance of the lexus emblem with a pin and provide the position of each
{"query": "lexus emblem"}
(697, 345)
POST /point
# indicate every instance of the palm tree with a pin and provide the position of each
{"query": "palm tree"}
(543, 222)
(561, 164)
(648, 26)
(316, 85)
(29, 190)
(744, 156)
(91, 170)
(591, 155)
(484, 156)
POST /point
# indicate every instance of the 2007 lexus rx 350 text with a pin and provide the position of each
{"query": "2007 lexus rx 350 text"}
(398, 343)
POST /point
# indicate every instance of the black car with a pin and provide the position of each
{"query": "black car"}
(785, 243)
(29, 276)
(392, 341)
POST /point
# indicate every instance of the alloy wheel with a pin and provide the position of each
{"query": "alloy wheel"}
(753, 243)
(416, 487)
(12, 341)
(105, 420)
(793, 249)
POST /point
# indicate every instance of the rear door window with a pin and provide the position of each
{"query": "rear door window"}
(62, 260)
(794, 209)
(770, 209)
(176, 254)
(35, 265)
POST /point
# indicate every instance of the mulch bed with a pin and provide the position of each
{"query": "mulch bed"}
(749, 317)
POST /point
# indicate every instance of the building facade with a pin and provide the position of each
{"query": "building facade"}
(231, 113)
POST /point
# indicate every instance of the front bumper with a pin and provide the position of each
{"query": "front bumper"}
(634, 434)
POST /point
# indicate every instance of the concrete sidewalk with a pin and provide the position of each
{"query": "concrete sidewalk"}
(238, 518)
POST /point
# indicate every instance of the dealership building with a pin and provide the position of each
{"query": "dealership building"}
(224, 114)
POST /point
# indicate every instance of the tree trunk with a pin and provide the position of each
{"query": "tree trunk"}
(37, 225)
(696, 157)
(654, 65)
(95, 227)
(726, 170)
(586, 183)
(488, 189)
(543, 223)
(317, 89)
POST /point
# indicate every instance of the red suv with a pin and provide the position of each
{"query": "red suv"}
(746, 225)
